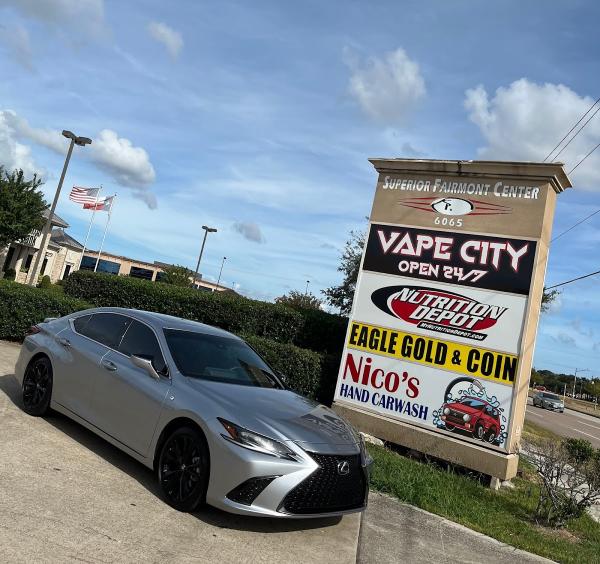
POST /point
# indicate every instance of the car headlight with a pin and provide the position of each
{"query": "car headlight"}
(248, 439)
(466, 417)
(446, 410)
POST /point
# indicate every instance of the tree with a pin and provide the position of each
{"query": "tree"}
(22, 206)
(177, 275)
(341, 296)
(298, 300)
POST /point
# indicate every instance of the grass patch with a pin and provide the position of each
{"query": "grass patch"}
(503, 515)
(531, 431)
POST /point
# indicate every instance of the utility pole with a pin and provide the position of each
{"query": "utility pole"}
(207, 230)
(75, 140)
(306, 291)
(575, 379)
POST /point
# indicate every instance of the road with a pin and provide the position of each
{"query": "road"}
(567, 424)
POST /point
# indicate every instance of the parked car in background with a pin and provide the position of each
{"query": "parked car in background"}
(473, 415)
(201, 408)
(548, 400)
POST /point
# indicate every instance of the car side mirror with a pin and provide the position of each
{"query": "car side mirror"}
(146, 364)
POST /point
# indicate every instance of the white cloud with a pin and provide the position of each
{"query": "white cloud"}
(128, 165)
(525, 120)
(12, 153)
(166, 35)
(249, 230)
(16, 39)
(85, 15)
(387, 88)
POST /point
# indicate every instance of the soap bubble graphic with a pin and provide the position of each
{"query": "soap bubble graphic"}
(475, 390)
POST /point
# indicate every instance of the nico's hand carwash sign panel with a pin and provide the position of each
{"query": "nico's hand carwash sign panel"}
(480, 318)
(466, 407)
(465, 259)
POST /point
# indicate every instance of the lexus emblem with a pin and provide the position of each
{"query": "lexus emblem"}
(343, 468)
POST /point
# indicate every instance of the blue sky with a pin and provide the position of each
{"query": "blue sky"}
(258, 118)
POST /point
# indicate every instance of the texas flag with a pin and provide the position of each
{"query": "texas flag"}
(103, 204)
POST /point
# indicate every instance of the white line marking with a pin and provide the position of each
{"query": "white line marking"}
(587, 434)
(590, 425)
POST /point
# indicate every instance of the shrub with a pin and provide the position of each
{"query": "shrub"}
(322, 331)
(228, 311)
(23, 306)
(45, 282)
(569, 472)
(10, 274)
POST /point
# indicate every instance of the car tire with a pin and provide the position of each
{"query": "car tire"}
(490, 436)
(183, 469)
(37, 387)
(449, 427)
(479, 432)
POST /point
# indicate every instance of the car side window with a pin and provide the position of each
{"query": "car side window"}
(140, 340)
(81, 322)
(106, 328)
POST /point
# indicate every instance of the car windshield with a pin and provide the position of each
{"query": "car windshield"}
(219, 359)
(473, 403)
(551, 396)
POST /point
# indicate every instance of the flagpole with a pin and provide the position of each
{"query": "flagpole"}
(89, 229)
(105, 230)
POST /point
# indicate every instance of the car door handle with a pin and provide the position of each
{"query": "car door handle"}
(109, 365)
(64, 342)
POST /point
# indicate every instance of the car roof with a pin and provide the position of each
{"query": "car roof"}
(163, 321)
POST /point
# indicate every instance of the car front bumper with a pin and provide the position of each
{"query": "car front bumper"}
(274, 487)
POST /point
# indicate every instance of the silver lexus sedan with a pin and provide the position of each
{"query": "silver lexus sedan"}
(200, 407)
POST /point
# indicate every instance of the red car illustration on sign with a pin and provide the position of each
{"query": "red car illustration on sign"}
(473, 415)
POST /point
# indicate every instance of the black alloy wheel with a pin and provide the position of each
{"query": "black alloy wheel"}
(479, 431)
(183, 469)
(37, 387)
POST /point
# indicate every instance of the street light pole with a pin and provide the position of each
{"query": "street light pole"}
(575, 379)
(220, 272)
(306, 290)
(75, 140)
(207, 230)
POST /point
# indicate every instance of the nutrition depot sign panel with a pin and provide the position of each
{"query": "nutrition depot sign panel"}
(440, 342)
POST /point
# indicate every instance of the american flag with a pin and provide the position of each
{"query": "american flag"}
(84, 195)
(103, 204)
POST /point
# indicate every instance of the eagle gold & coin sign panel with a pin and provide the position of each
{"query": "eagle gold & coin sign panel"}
(447, 300)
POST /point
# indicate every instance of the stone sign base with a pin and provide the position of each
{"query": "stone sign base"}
(490, 462)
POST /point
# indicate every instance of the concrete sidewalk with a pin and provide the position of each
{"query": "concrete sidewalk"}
(393, 532)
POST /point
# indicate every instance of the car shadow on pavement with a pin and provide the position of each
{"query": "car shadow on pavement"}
(147, 478)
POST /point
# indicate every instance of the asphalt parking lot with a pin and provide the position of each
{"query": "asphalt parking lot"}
(67, 495)
(568, 424)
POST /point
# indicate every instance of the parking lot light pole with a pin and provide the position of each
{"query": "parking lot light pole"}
(575, 379)
(207, 230)
(220, 272)
(75, 140)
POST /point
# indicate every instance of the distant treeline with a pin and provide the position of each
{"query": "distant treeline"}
(586, 388)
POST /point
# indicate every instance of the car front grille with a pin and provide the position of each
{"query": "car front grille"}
(327, 490)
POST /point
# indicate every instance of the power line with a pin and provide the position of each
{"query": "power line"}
(598, 145)
(577, 133)
(570, 130)
(574, 226)
(573, 280)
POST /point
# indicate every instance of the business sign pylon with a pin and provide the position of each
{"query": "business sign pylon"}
(442, 332)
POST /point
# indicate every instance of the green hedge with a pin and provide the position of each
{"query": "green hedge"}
(23, 306)
(322, 331)
(228, 311)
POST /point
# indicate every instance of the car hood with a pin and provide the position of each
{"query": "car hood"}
(463, 408)
(283, 415)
